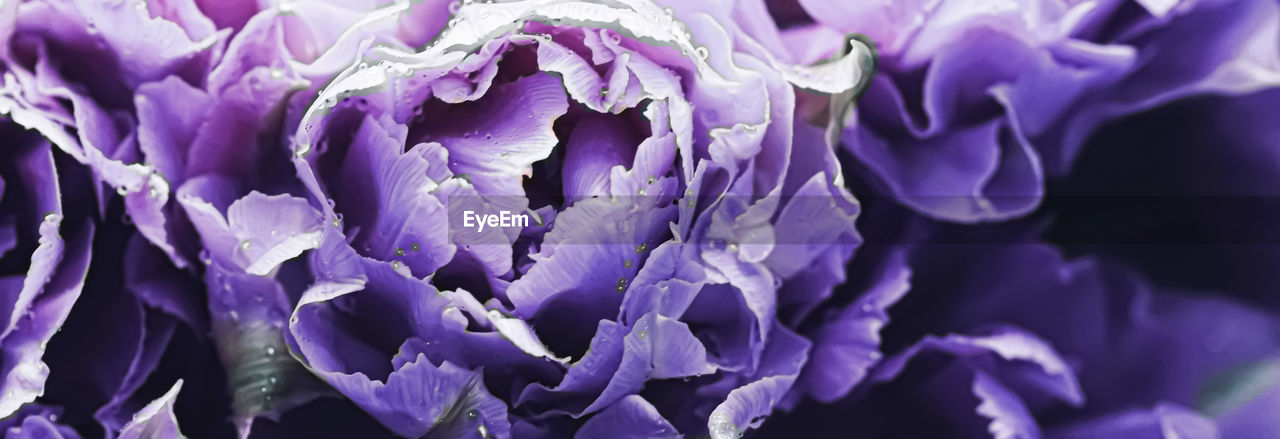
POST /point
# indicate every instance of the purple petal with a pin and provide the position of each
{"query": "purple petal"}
(848, 345)
(1165, 421)
(746, 407)
(585, 255)
(1049, 373)
(156, 420)
(629, 418)
(498, 137)
(420, 399)
(24, 374)
(273, 229)
(402, 220)
(597, 144)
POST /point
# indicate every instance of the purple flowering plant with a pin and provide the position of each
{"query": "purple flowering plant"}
(639, 218)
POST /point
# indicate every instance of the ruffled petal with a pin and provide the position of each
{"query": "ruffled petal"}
(273, 229)
(24, 343)
(1051, 374)
(586, 256)
(421, 399)
(747, 406)
(497, 138)
(848, 345)
(156, 420)
(629, 418)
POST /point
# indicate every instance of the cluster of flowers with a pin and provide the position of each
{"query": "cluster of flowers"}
(239, 217)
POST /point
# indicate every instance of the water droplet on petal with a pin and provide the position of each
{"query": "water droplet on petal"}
(701, 52)
(399, 251)
(472, 414)
(271, 350)
(244, 245)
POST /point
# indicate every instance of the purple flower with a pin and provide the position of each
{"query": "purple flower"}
(667, 183)
(636, 218)
(976, 103)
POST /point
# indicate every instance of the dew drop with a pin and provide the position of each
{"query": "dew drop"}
(399, 251)
(472, 414)
(244, 245)
(396, 265)
(277, 73)
(643, 334)
(271, 350)
(701, 52)
(415, 247)
(122, 191)
(652, 179)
